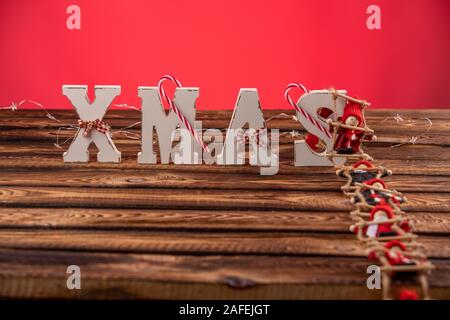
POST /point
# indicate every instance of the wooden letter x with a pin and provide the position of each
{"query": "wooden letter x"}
(78, 150)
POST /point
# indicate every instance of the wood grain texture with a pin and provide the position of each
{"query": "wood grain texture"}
(199, 231)
(127, 178)
(201, 199)
(273, 243)
(206, 220)
(42, 274)
(27, 162)
(286, 151)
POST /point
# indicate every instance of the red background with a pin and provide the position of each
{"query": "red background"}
(222, 45)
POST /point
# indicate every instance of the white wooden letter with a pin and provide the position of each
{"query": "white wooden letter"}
(247, 111)
(155, 117)
(78, 150)
(312, 102)
(215, 137)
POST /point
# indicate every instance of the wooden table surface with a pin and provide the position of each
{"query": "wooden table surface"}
(204, 231)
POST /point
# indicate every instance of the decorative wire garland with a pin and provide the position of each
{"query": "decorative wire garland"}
(136, 136)
(413, 139)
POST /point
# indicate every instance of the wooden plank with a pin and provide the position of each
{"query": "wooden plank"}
(42, 274)
(200, 199)
(166, 231)
(54, 162)
(49, 135)
(202, 243)
(405, 159)
(130, 148)
(201, 220)
(210, 269)
(199, 180)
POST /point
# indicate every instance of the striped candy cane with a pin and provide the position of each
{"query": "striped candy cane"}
(177, 111)
(303, 112)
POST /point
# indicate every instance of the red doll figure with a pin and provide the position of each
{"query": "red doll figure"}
(382, 213)
(362, 164)
(378, 196)
(379, 214)
(372, 197)
(397, 254)
(348, 140)
(406, 294)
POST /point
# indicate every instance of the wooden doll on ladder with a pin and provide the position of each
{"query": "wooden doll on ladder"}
(350, 131)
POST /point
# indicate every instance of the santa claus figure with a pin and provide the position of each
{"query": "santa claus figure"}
(376, 195)
(397, 254)
(361, 174)
(372, 196)
(362, 165)
(381, 213)
(348, 140)
(358, 173)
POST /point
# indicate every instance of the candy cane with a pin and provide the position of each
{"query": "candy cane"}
(303, 112)
(177, 111)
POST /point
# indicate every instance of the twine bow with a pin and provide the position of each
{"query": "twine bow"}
(97, 124)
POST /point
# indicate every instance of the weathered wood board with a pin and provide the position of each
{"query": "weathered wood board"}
(199, 231)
